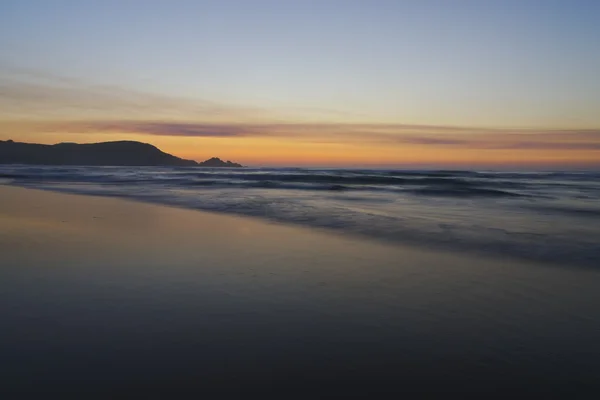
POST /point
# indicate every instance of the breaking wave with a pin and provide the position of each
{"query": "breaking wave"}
(549, 216)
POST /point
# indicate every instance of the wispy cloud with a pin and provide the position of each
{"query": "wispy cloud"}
(61, 104)
(415, 135)
(545, 145)
(35, 94)
(160, 128)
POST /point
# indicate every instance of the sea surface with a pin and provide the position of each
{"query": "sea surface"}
(542, 216)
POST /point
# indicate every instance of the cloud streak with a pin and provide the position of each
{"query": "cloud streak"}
(411, 135)
(71, 106)
(35, 94)
(164, 128)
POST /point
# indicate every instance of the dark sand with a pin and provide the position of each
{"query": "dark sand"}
(109, 297)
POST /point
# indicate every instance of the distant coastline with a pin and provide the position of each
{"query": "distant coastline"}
(119, 153)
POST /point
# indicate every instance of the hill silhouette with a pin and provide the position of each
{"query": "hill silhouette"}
(120, 153)
(217, 162)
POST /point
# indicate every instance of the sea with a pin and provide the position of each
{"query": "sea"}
(551, 217)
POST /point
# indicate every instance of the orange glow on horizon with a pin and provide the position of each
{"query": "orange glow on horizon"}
(338, 150)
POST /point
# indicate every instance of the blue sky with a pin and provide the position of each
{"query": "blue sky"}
(513, 64)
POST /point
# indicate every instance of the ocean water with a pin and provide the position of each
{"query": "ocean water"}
(542, 216)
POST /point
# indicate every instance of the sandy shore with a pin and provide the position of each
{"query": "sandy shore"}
(103, 295)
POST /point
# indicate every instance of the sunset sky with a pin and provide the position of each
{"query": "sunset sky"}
(507, 83)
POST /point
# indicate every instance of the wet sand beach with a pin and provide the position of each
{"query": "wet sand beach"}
(110, 296)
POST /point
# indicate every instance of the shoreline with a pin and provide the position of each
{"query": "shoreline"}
(404, 241)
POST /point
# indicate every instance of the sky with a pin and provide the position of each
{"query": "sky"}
(310, 83)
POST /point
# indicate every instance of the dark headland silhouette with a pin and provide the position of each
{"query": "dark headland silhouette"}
(121, 153)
